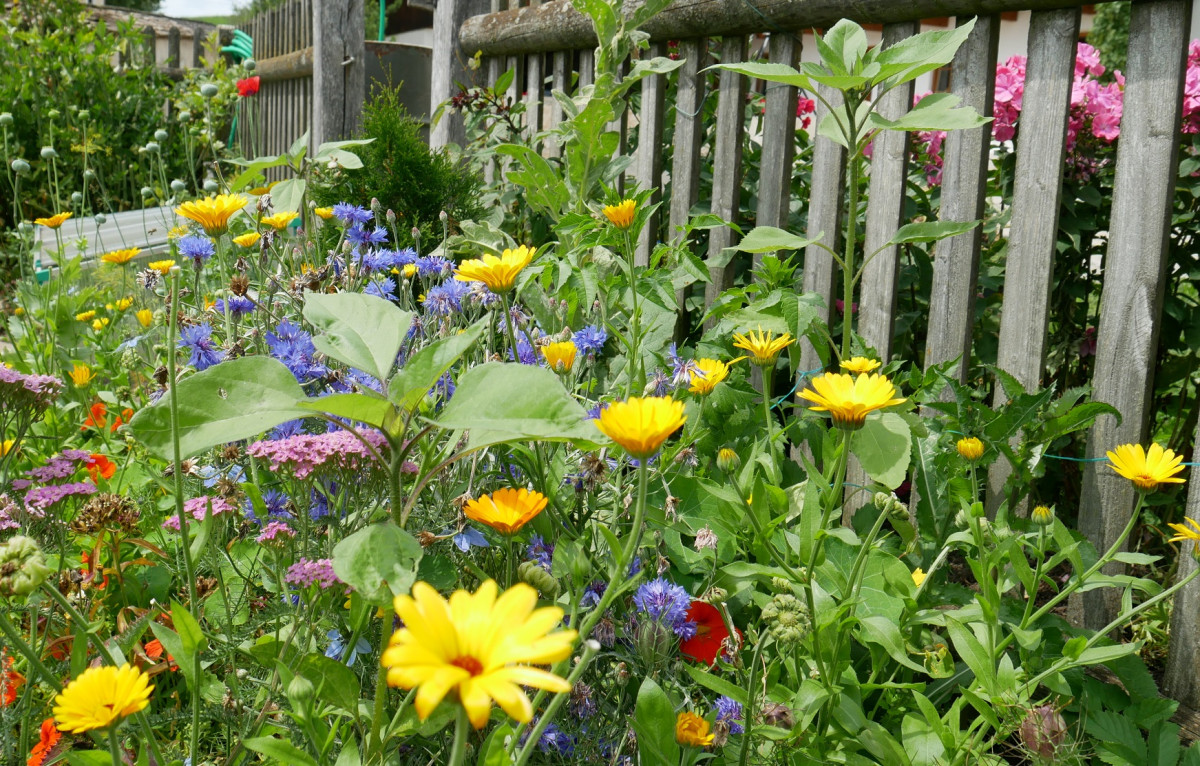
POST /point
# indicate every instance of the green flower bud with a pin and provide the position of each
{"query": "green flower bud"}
(178, 186)
(84, 114)
(185, 116)
(48, 153)
(780, 585)
(153, 147)
(211, 186)
(89, 175)
(300, 693)
(160, 135)
(22, 567)
(53, 114)
(147, 192)
(531, 574)
(77, 198)
(6, 119)
(728, 460)
(100, 218)
(209, 90)
(20, 167)
(787, 619)
(883, 501)
(1042, 515)
(250, 65)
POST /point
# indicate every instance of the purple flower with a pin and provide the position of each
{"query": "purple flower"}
(275, 503)
(540, 552)
(198, 507)
(433, 266)
(318, 505)
(305, 453)
(381, 287)
(446, 299)
(239, 306)
(666, 604)
(360, 236)
(306, 572)
(592, 594)
(352, 214)
(275, 533)
(526, 353)
(294, 347)
(198, 341)
(197, 247)
(729, 711)
(590, 340)
(404, 257)
(289, 428)
(682, 369)
(38, 499)
(469, 538)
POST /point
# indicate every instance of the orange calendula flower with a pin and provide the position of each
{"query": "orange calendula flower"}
(848, 400)
(213, 213)
(506, 510)
(10, 682)
(693, 730)
(1146, 468)
(101, 468)
(54, 221)
(86, 316)
(81, 375)
(119, 257)
(279, 221)
(499, 274)
(621, 215)
(641, 425)
(970, 447)
(47, 739)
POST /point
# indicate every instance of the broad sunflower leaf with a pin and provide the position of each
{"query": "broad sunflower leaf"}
(362, 331)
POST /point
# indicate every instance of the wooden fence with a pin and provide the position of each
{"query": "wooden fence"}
(173, 45)
(542, 40)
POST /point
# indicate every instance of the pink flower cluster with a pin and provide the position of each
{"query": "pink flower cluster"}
(275, 533)
(1191, 90)
(306, 572)
(197, 508)
(304, 453)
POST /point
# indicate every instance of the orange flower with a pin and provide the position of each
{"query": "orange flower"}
(154, 650)
(50, 735)
(101, 467)
(89, 574)
(10, 682)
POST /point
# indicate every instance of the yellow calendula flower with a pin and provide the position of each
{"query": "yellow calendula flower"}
(54, 221)
(848, 399)
(100, 697)
(120, 257)
(410, 270)
(560, 356)
(970, 447)
(918, 576)
(86, 316)
(145, 317)
(641, 425)
(279, 221)
(1146, 468)
(764, 348)
(177, 231)
(162, 267)
(324, 213)
(123, 303)
(860, 364)
(691, 729)
(506, 510)
(6, 446)
(708, 373)
(1189, 531)
(213, 213)
(249, 239)
(621, 215)
(19, 311)
(1042, 515)
(81, 374)
(481, 645)
(499, 274)
(99, 324)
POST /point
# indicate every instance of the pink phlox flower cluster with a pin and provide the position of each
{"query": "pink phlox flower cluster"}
(1010, 90)
(38, 499)
(8, 513)
(805, 107)
(275, 532)
(1191, 90)
(307, 572)
(927, 144)
(304, 453)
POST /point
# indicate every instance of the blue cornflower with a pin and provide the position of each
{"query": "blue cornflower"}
(318, 505)
(555, 740)
(590, 340)
(526, 353)
(433, 266)
(364, 381)
(360, 236)
(197, 247)
(404, 257)
(352, 215)
(540, 552)
(468, 538)
(337, 646)
(729, 711)
(482, 295)
(198, 341)
(446, 299)
(592, 594)
(211, 475)
(660, 383)
(382, 287)
(286, 429)
(275, 503)
(294, 347)
(239, 306)
(667, 604)
(594, 412)
(681, 369)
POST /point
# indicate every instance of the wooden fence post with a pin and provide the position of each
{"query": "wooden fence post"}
(964, 180)
(727, 165)
(650, 153)
(1134, 272)
(1183, 658)
(339, 69)
(778, 139)
(1037, 191)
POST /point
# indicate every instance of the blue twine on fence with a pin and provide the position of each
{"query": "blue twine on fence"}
(799, 376)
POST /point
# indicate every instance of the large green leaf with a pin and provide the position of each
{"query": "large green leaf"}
(767, 239)
(233, 400)
(881, 446)
(334, 682)
(365, 408)
(930, 231)
(916, 55)
(498, 402)
(423, 370)
(379, 561)
(278, 751)
(654, 723)
(363, 331)
(937, 111)
(761, 70)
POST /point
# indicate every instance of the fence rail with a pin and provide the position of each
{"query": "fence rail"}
(523, 38)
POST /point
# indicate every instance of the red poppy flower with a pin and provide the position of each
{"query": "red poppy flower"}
(710, 633)
(101, 467)
(49, 737)
(249, 86)
(154, 650)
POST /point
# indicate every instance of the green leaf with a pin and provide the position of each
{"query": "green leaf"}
(363, 331)
(288, 194)
(498, 402)
(930, 231)
(493, 752)
(937, 111)
(422, 371)
(279, 751)
(190, 635)
(971, 651)
(364, 408)
(379, 562)
(334, 682)
(770, 72)
(912, 57)
(237, 399)
(886, 633)
(881, 446)
(89, 758)
(654, 724)
(720, 685)
(349, 755)
(767, 239)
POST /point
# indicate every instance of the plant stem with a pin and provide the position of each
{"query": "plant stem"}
(380, 682)
(590, 648)
(853, 170)
(458, 752)
(114, 746)
(35, 662)
(189, 569)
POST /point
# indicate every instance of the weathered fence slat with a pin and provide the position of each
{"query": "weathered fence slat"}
(1134, 269)
(689, 134)
(339, 69)
(173, 58)
(560, 80)
(727, 164)
(587, 67)
(778, 139)
(1183, 658)
(964, 180)
(1037, 190)
(650, 153)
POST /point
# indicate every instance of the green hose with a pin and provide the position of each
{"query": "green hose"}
(382, 18)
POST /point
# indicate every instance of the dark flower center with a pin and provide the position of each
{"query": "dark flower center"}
(469, 664)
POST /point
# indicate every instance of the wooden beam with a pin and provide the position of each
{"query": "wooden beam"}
(339, 69)
(558, 26)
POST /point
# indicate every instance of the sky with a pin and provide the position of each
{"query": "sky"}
(194, 8)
